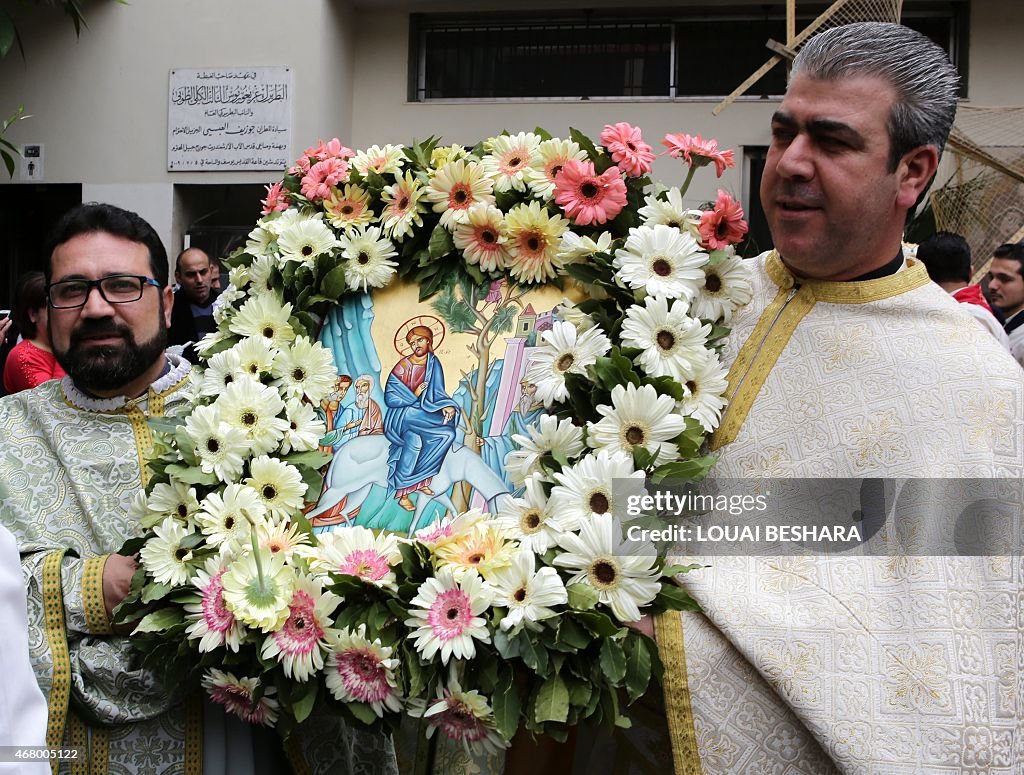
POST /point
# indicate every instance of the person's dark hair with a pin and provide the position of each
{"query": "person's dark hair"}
(1011, 251)
(947, 257)
(926, 83)
(30, 295)
(96, 217)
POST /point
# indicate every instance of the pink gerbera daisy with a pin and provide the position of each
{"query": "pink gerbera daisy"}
(464, 717)
(211, 621)
(316, 184)
(356, 551)
(300, 642)
(446, 615)
(625, 143)
(588, 197)
(277, 199)
(360, 670)
(697, 152)
(724, 225)
(238, 696)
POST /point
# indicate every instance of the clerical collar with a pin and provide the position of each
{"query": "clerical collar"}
(1015, 322)
(883, 271)
(174, 371)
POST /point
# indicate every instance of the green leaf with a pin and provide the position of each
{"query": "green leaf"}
(571, 634)
(602, 625)
(695, 468)
(507, 705)
(675, 570)
(579, 691)
(542, 133)
(414, 671)
(534, 657)
(312, 458)
(585, 143)
(638, 666)
(314, 481)
(441, 243)
(190, 475)
(154, 591)
(334, 285)
(303, 706)
(552, 701)
(506, 646)
(582, 597)
(674, 598)
(613, 661)
(362, 712)
(161, 620)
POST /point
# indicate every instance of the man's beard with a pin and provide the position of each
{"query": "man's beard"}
(108, 367)
(361, 400)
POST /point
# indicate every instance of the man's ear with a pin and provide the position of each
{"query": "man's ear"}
(914, 173)
(168, 294)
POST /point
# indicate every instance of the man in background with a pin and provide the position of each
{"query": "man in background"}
(947, 257)
(1006, 286)
(192, 313)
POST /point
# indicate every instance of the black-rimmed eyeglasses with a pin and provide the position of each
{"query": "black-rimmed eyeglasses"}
(115, 289)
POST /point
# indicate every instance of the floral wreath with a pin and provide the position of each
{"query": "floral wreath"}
(480, 624)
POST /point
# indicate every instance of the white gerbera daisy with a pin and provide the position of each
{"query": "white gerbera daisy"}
(368, 254)
(356, 551)
(306, 368)
(258, 589)
(220, 447)
(176, 500)
(300, 643)
(463, 717)
(254, 408)
(549, 435)
(705, 393)
(672, 342)
(221, 370)
(482, 547)
(527, 593)
(482, 238)
(238, 696)
(163, 556)
(509, 158)
(360, 670)
(264, 316)
(563, 351)
(383, 161)
(304, 240)
(255, 358)
(624, 576)
(231, 515)
(638, 417)
(586, 488)
(669, 211)
(575, 248)
(530, 520)
(211, 341)
(661, 260)
(726, 288)
(209, 620)
(279, 485)
(282, 537)
(261, 242)
(456, 187)
(446, 615)
(403, 208)
(551, 156)
(239, 277)
(279, 222)
(305, 428)
(261, 273)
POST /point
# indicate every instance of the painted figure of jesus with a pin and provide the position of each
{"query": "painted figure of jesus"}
(420, 421)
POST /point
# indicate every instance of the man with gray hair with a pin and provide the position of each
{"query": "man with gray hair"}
(849, 363)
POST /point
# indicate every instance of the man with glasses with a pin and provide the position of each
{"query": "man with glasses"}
(71, 464)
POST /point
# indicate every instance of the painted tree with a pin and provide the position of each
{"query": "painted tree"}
(484, 311)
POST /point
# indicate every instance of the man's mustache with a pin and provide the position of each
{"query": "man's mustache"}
(99, 327)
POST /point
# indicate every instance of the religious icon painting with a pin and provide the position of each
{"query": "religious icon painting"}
(428, 397)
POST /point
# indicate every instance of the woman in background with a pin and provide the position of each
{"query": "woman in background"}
(31, 362)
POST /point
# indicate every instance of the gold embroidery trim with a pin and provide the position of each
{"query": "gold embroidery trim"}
(913, 276)
(668, 632)
(99, 750)
(92, 596)
(79, 738)
(758, 357)
(56, 637)
(293, 750)
(194, 735)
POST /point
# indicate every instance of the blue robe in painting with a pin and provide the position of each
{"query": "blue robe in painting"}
(414, 425)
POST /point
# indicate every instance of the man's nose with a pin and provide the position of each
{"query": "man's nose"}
(96, 306)
(795, 160)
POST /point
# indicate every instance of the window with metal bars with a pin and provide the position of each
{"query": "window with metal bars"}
(582, 55)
